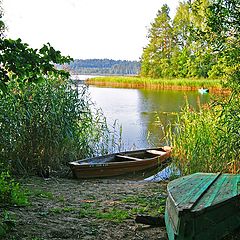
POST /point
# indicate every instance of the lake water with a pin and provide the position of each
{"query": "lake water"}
(142, 113)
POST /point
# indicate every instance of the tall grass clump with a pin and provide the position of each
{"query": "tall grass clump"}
(48, 124)
(203, 141)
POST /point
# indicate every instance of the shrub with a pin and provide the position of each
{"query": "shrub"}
(10, 191)
(11, 194)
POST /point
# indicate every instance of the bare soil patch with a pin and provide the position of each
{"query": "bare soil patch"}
(86, 209)
(99, 209)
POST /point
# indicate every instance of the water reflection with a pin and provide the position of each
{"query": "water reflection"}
(159, 108)
(165, 174)
(142, 111)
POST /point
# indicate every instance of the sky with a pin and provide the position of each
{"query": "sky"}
(85, 29)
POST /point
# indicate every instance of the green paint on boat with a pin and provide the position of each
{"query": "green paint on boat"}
(203, 206)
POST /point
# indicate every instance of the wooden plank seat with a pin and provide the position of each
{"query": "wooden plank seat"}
(156, 152)
(125, 157)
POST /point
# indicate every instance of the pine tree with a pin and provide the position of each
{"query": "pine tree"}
(156, 56)
(181, 32)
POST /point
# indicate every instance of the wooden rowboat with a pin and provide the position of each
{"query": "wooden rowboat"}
(203, 206)
(120, 163)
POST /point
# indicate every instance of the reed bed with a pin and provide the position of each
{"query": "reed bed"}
(44, 126)
(136, 81)
(202, 141)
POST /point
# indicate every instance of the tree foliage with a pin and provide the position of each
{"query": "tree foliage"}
(156, 56)
(193, 42)
(209, 140)
(2, 25)
(21, 63)
(224, 22)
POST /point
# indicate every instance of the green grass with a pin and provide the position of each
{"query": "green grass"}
(11, 193)
(7, 222)
(40, 193)
(111, 214)
(150, 205)
(127, 208)
(150, 82)
(88, 210)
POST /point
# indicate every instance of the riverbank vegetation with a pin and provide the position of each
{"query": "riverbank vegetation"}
(208, 140)
(44, 122)
(202, 141)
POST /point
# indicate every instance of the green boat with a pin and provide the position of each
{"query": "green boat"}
(203, 206)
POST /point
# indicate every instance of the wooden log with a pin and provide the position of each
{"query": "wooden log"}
(152, 221)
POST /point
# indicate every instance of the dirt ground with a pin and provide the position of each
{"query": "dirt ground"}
(69, 209)
(100, 209)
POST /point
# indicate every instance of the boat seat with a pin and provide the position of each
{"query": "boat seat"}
(156, 152)
(128, 157)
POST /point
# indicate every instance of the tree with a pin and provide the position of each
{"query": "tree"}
(186, 46)
(181, 33)
(172, 50)
(2, 25)
(21, 63)
(224, 22)
(203, 58)
(103, 66)
(156, 56)
(181, 25)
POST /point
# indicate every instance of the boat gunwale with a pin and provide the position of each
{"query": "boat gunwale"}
(112, 155)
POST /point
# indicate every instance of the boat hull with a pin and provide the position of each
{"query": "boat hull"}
(112, 165)
(209, 208)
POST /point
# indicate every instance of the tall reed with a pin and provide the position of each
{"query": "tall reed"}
(46, 125)
(202, 141)
(162, 82)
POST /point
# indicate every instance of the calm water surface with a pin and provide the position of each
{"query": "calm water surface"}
(142, 112)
